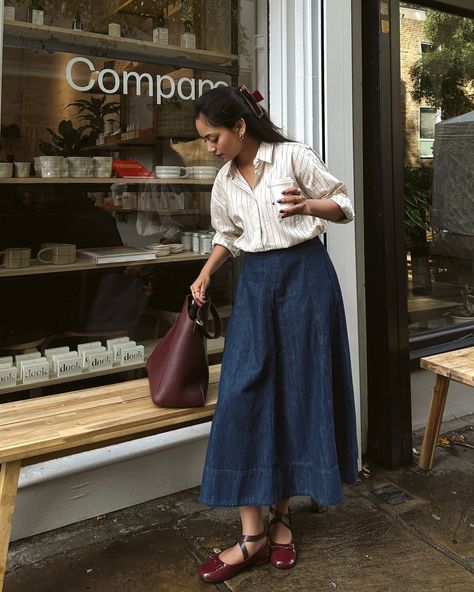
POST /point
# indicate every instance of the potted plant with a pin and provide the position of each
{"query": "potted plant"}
(67, 141)
(93, 111)
(465, 310)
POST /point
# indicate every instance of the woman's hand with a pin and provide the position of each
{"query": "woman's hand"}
(293, 195)
(199, 288)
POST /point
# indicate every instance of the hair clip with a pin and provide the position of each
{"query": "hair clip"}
(252, 99)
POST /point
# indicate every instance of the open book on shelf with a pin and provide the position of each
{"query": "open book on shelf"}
(116, 254)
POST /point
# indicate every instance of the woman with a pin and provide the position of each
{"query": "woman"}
(285, 422)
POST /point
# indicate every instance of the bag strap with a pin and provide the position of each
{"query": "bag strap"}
(202, 320)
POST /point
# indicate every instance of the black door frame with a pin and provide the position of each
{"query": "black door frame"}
(388, 350)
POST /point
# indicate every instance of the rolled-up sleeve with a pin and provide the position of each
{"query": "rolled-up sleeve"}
(226, 231)
(316, 181)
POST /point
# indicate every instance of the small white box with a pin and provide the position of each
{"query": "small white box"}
(70, 366)
(49, 353)
(8, 377)
(6, 360)
(132, 355)
(56, 358)
(117, 348)
(100, 361)
(115, 340)
(85, 355)
(35, 371)
(90, 345)
(31, 356)
(23, 358)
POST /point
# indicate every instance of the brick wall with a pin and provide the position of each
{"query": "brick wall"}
(411, 35)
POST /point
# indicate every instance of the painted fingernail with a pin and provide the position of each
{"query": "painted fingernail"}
(278, 200)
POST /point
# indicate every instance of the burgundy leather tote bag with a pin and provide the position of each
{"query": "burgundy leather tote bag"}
(178, 370)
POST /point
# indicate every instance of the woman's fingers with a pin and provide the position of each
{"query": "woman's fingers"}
(294, 197)
(198, 291)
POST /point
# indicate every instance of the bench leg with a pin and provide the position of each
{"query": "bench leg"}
(9, 474)
(433, 423)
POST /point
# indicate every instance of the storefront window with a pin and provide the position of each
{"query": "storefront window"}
(104, 186)
(437, 85)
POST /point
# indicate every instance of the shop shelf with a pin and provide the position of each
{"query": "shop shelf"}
(37, 268)
(214, 346)
(104, 181)
(51, 39)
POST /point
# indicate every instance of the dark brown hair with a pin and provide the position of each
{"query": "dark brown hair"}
(223, 106)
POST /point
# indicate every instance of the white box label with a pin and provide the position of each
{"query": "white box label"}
(48, 353)
(117, 348)
(35, 371)
(7, 377)
(132, 355)
(69, 366)
(116, 340)
(91, 345)
(100, 361)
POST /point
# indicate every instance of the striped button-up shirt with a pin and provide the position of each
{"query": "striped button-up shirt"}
(246, 219)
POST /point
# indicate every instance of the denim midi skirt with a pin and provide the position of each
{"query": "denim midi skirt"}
(285, 419)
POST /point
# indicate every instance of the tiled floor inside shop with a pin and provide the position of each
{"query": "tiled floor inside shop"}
(396, 531)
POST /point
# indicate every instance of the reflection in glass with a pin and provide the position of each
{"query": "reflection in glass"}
(438, 115)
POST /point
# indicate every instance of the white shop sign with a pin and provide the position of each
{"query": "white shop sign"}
(161, 86)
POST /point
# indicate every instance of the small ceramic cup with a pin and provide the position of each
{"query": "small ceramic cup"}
(6, 169)
(16, 257)
(22, 169)
(57, 254)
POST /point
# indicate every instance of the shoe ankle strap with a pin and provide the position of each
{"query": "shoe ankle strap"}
(280, 517)
(249, 538)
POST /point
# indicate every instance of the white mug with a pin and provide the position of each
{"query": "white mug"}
(16, 257)
(57, 254)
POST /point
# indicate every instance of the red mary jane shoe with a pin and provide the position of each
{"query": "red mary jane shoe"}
(215, 570)
(282, 556)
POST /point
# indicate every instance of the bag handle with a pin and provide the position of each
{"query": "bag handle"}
(200, 314)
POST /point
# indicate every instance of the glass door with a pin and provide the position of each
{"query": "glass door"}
(437, 76)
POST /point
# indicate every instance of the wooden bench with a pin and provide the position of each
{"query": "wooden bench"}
(456, 365)
(50, 427)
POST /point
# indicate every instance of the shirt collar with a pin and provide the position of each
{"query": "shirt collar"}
(264, 154)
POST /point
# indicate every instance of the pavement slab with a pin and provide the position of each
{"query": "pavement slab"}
(419, 538)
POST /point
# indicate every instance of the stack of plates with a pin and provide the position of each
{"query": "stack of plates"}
(159, 249)
(176, 248)
(203, 172)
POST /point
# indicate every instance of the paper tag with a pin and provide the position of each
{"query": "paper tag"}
(117, 348)
(90, 345)
(132, 355)
(100, 360)
(69, 366)
(111, 342)
(35, 371)
(8, 377)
